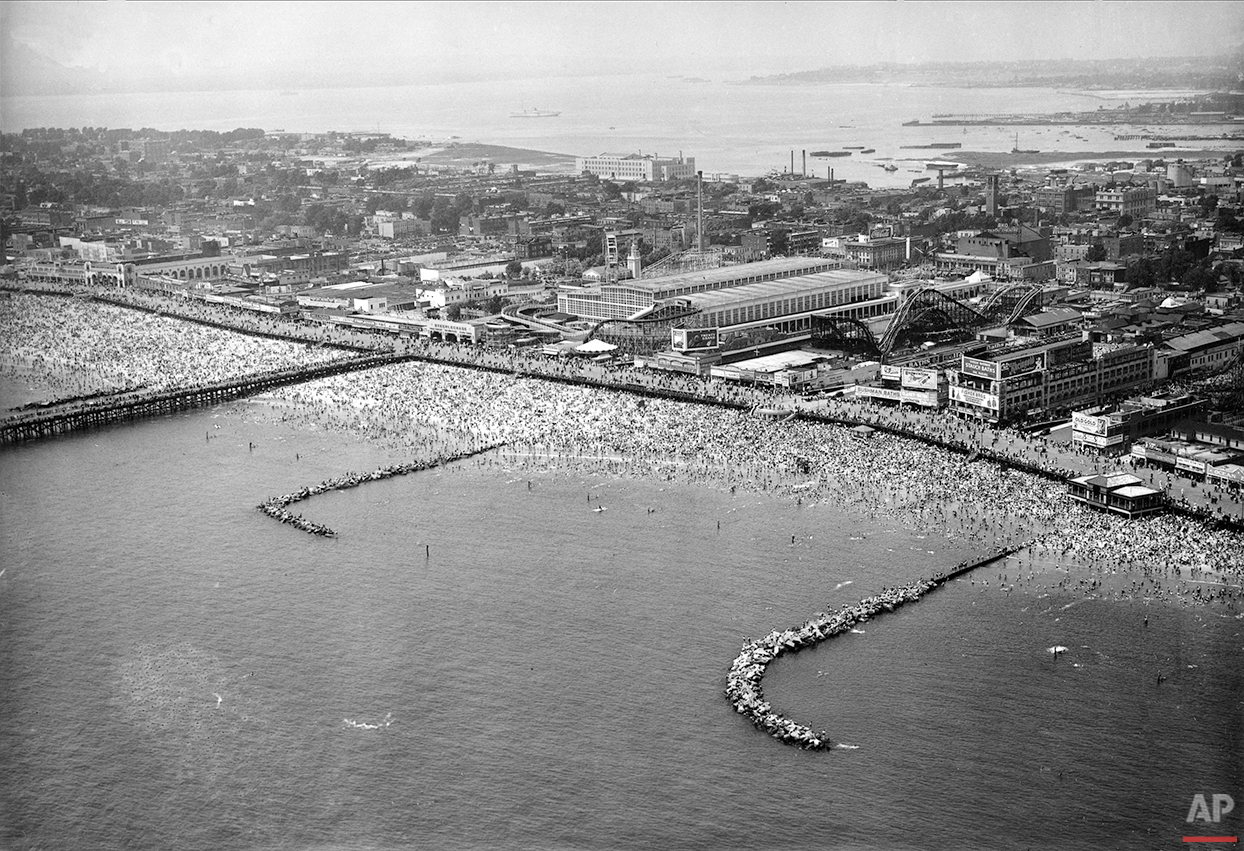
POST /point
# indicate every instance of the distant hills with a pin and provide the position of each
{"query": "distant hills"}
(1200, 72)
(25, 72)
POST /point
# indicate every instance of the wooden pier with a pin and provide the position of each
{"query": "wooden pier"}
(75, 416)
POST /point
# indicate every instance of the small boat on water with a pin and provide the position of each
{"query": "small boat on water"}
(535, 113)
(853, 147)
(869, 151)
(831, 153)
(890, 167)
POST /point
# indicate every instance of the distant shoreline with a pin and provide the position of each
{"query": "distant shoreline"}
(469, 152)
(999, 159)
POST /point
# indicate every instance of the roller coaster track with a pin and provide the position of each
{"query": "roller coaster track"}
(1027, 304)
(644, 327)
(688, 260)
(922, 305)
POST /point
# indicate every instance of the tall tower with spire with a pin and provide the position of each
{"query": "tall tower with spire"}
(633, 261)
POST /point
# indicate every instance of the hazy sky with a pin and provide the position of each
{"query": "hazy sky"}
(290, 42)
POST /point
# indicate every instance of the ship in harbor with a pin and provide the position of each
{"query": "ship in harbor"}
(933, 146)
(831, 153)
(1017, 150)
(535, 113)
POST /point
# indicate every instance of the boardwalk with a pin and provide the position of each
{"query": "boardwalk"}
(108, 410)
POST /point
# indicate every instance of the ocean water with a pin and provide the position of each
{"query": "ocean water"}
(481, 660)
(741, 129)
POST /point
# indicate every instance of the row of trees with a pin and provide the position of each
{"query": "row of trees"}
(1180, 267)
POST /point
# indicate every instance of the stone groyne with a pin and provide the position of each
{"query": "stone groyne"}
(277, 507)
(743, 682)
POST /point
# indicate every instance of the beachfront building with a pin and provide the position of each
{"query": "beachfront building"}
(1013, 381)
(1111, 429)
(1121, 493)
(1185, 455)
(638, 168)
(633, 299)
(360, 297)
(927, 388)
(788, 304)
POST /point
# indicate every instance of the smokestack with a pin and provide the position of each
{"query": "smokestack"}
(792, 162)
(699, 197)
(831, 175)
(805, 162)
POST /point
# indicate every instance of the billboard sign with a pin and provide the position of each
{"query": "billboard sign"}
(980, 368)
(889, 393)
(890, 372)
(1227, 472)
(1089, 424)
(693, 339)
(1098, 440)
(974, 397)
(1157, 455)
(920, 379)
(925, 398)
(1189, 464)
(1019, 366)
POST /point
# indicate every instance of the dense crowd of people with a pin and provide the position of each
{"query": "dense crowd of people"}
(430, 410)
(434, 409)
(76, 347)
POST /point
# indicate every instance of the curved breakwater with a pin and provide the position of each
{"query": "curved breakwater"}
(743, 686)
(277, 507)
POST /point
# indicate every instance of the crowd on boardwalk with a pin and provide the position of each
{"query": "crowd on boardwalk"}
(77, 348)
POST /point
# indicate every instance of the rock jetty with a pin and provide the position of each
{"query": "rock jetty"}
(743, 686)
(277, 507)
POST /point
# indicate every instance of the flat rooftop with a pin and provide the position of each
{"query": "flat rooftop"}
(780, 288)
(781, 266)
(778, 362)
